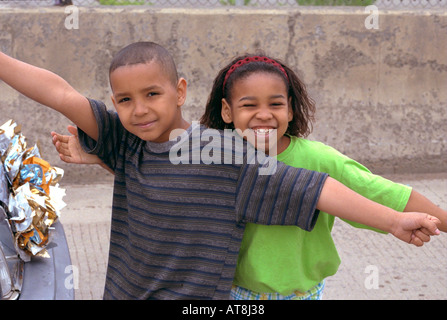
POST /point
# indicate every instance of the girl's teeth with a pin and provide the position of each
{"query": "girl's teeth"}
(263, 131)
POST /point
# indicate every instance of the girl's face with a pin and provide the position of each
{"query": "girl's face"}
(260, 108)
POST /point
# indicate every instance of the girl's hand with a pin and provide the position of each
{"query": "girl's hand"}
(70, 150)
(416, 228)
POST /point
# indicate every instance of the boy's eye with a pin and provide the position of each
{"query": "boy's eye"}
(123, 100)
(151, 94)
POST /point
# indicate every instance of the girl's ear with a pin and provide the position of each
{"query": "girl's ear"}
(227, 117)
(181, 91)
(290, 111)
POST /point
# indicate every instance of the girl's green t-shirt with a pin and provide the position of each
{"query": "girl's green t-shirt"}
(286, 259)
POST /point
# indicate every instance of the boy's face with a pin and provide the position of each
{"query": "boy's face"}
(147, 102)
(260, 105)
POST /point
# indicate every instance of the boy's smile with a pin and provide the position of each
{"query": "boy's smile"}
(147, 102)
(260, 105)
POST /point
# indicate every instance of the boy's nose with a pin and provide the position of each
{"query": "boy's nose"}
(140, 108)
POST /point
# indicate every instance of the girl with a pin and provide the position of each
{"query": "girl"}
(265, 96)
(281, 262)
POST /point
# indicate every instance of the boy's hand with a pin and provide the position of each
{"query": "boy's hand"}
(416, 228)
(70, 150)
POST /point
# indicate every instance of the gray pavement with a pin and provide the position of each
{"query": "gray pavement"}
(374, 266)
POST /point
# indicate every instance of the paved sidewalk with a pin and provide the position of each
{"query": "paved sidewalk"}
(373, 266)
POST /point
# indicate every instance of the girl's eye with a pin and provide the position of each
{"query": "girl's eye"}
(151, 94)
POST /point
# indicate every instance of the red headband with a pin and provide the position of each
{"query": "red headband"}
(253, 59)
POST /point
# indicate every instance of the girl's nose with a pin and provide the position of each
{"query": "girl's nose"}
(264, 114)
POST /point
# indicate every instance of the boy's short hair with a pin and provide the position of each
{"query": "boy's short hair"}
(145, 52)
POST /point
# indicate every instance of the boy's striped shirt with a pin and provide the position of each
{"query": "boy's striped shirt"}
(177, 228)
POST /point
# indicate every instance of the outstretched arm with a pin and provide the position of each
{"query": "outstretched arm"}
(420, 203)
(48, 89)
(411, 226)
(342, 202)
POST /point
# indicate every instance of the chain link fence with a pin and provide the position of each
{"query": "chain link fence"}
(389, 4)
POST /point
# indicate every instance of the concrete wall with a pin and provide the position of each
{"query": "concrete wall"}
(381, 93)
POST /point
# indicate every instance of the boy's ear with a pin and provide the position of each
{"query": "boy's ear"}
(113, 100)
(225, 112)
(181, 91)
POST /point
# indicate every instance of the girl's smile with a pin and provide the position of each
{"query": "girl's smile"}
(263, 131)
(259, 103)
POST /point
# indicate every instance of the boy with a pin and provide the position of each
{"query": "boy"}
(176, 229)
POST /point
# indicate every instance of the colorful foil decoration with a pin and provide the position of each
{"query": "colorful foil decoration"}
(29, 189)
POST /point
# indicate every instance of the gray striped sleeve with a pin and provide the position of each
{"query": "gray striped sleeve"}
(110, 132)
(287, 197)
